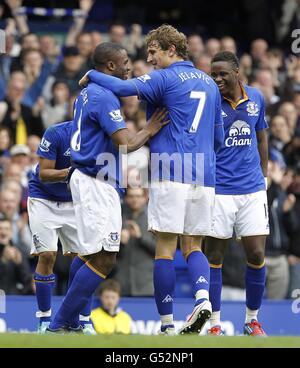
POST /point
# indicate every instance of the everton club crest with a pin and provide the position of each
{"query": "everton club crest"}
(252, 108)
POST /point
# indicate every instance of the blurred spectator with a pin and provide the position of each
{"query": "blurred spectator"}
(15, 115)
(5, 143)
(117, 33)
(140, 67)
(49, 48)
(203, 63)
(280, 132)
(233, 272)
(33, 143)
(9, 207)
(195, 46)
(283, 223)
(135, 262)
(70, 71)
(15, 275)
(56, 109)
(228, 44)
(109, 317)
(36, 70)
(96, 38)
(258, 51)
(212, 47)
(294, 250)
(130, 107)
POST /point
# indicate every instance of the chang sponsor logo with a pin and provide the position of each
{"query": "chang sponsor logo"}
(239, 134)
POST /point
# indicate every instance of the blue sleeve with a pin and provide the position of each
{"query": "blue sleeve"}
(118, 86)
(219, 124)
(151, 87)
(261, 121)
(107, 112)
(49, 145)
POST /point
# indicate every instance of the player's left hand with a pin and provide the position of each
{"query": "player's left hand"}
(84, 81)
(157, 121)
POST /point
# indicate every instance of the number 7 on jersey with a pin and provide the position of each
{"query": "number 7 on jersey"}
(201, 96)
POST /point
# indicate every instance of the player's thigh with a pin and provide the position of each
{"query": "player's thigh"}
(252, 218)
(166, 244)
(166, 209)
(43, 222)
(223, 217)
(199, 208)
(98, 214)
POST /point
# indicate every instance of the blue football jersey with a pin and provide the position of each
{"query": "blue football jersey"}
(238, 169)
(97, 117)
(55, 145)
(194, 104)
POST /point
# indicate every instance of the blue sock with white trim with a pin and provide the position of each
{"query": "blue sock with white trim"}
(44, 286)
(164, 278)
(255, 286)
(199, 272)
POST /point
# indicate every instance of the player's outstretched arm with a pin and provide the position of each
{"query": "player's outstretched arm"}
(134, 141)
(118, 86)
(48, 173)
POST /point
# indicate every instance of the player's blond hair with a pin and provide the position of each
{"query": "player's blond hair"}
(166, 36)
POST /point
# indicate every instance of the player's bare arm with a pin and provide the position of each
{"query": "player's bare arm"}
(135, 141)
(48, 173)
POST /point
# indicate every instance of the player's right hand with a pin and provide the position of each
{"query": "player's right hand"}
(84, 81)
(157, 121)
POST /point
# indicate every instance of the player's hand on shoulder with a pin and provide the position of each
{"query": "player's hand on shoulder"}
(84, 81)
(157, 121)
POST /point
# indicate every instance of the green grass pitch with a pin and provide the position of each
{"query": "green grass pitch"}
(140, 341)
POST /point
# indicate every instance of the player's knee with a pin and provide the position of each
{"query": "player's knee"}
(46, 262)
(104, 262)
(214, 256)
(47, 258)
(256, 257)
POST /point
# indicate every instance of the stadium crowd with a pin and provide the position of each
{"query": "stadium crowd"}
(38, 85)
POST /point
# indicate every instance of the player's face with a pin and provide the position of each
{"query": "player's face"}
(121, 65)
(157, 57)
(225, 76)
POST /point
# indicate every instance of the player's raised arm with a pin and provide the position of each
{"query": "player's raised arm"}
(135, 141)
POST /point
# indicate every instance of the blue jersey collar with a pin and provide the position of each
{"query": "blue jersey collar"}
(181, 63)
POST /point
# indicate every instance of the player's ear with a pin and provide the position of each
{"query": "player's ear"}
(172, 50)
(111, 66)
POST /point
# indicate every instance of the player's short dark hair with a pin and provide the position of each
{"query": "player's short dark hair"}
(166, 36)
(105, 52)
(111, 285)
(227, 56)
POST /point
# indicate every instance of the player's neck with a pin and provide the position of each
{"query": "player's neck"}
(236, 94)
(176, 59)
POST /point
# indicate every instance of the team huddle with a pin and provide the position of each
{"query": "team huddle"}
(208, 169)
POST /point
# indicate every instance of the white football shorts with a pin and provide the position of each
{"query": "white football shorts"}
(247, 214)
(180, 208)
(98, 214)
(48, 221)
